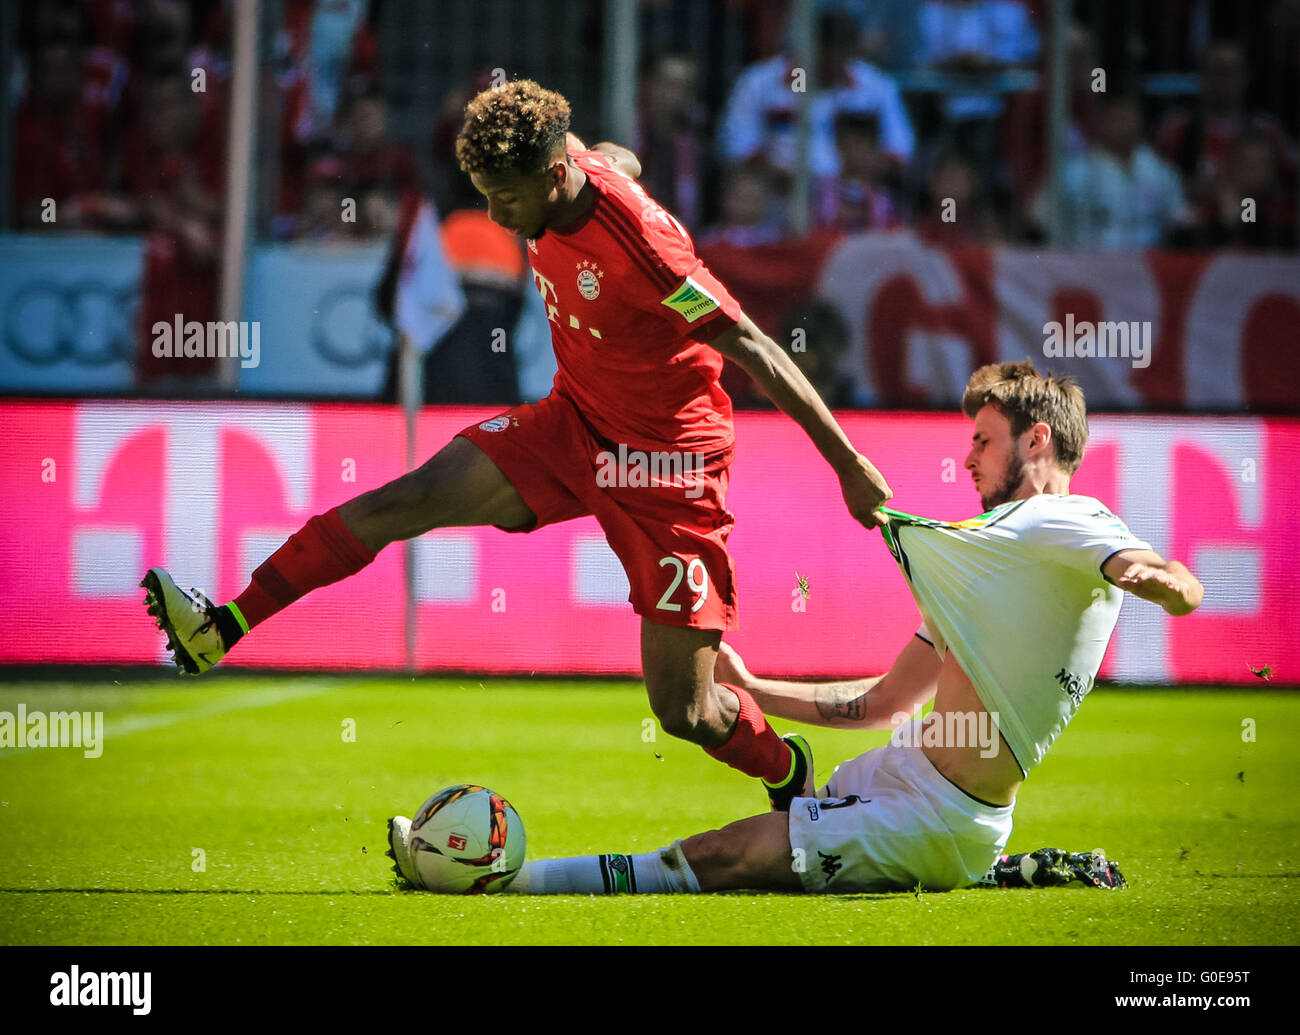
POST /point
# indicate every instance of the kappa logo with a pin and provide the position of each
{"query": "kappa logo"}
(589, 275)
(691, 301)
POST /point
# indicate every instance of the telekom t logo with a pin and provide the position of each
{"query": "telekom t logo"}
(1227, 551)
(189, 481)
(547, 291)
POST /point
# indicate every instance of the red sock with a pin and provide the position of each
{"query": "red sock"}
(754, 747)
(321, 552)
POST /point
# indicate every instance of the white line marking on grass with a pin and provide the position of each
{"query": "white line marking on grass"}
(294, 691)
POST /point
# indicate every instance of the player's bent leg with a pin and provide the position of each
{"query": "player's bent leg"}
(460, 486)
(750, 853)
(678, 663)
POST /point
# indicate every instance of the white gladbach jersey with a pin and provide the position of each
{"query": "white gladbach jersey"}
(1018, 596)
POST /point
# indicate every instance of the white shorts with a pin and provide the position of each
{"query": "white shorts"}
(891, 821)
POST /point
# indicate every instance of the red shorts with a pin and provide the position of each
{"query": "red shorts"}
(663, 513)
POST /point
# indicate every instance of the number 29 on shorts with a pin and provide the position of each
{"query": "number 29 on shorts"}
(696, 577)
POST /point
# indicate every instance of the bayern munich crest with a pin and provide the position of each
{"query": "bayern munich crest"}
(589, 275)
(496, 423)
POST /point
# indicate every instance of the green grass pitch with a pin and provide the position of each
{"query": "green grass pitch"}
(255, 779)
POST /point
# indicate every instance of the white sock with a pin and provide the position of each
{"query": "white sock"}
(652, 873)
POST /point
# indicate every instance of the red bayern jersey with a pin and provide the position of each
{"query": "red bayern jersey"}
(631, 309)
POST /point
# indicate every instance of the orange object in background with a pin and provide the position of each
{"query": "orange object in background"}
(478, 249)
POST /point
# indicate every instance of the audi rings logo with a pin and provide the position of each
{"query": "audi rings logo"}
(88, 322)
(345, 330)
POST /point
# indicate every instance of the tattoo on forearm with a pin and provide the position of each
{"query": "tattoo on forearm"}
(845, 701)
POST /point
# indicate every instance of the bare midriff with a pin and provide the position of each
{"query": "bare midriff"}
(986, 771)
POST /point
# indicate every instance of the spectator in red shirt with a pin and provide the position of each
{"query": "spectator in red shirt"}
(1251, 208)
(59, 141)
(857, 199)
(370, 161)
(672, 140)
(818, 339)
(749, 214)
(320, 217)
(366, 169)
(324, 52)
(957, 211)
(172, 163)
(1200, 142)
(172, 175)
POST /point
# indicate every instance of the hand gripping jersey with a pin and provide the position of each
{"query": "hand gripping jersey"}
(631, 309)
(1017, 594)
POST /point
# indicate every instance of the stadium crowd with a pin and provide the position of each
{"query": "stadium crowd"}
(924, 115)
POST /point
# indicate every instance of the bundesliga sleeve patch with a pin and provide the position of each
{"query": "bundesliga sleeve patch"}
(691, 301)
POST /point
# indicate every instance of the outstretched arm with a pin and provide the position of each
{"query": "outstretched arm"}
(1146, 574)
(864, 488)
(873, 703)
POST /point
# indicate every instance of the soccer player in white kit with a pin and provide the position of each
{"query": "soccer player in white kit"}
(1018, 606)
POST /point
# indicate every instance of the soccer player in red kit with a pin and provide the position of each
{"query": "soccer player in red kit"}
(640, 328)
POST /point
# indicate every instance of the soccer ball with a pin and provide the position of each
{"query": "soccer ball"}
(467, 840)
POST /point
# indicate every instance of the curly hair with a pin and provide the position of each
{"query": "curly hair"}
(512, 128)
(1026, 397)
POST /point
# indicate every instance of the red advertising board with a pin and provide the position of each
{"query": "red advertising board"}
(96, 492)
